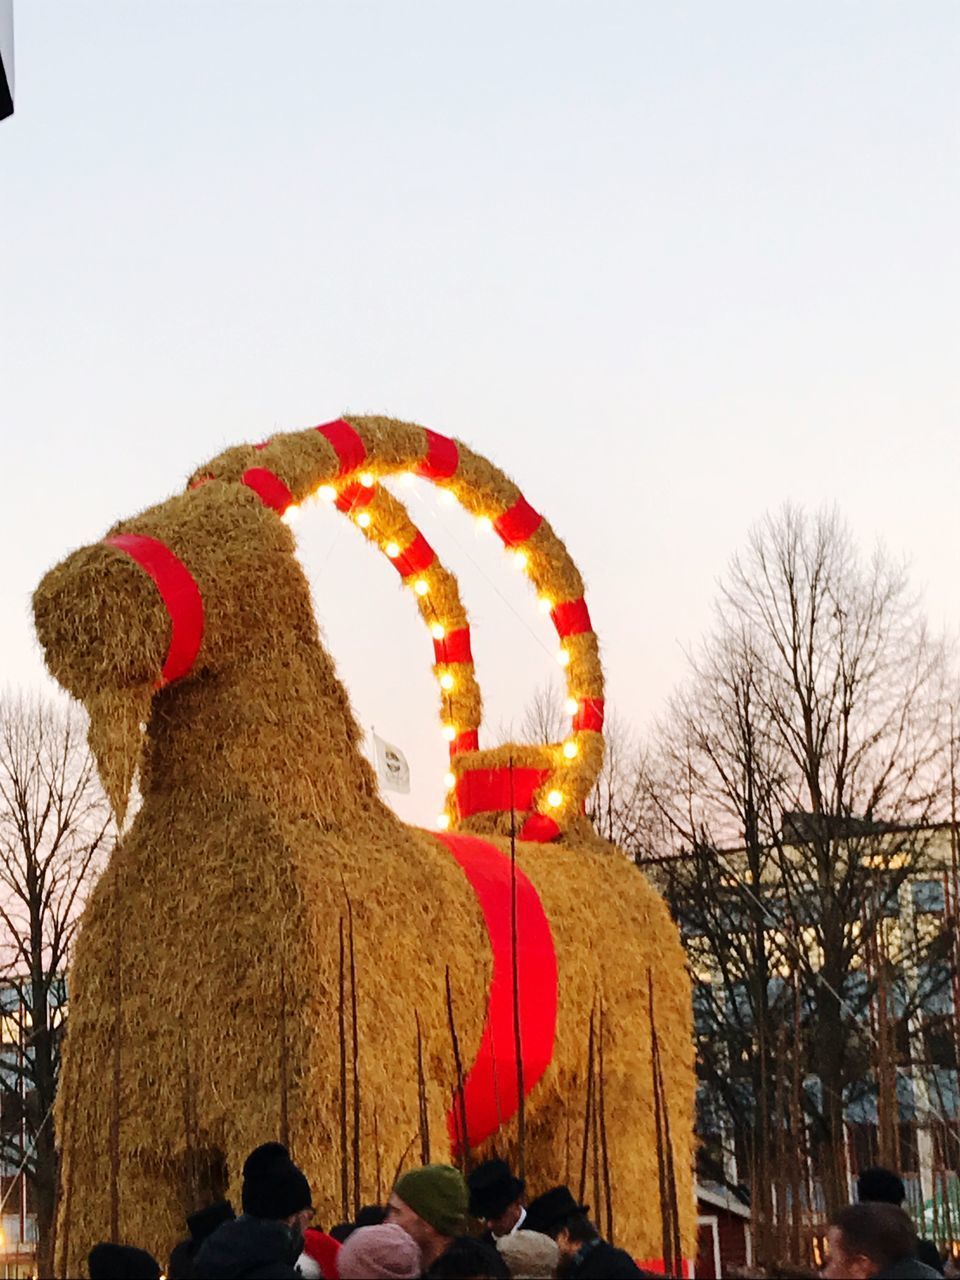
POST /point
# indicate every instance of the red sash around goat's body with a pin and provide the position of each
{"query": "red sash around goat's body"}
(491, 1094)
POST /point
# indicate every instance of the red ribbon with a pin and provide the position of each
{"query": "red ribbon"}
(489, 790)
(268, 487)
(454, 647)
(571, 618)
(353, 496)
(442, 457)
(589, 715)
(347, 445)
(179, 593)
(490, 1092)
(415, 557)
(539, 828)
(518, 522)
(467, 741)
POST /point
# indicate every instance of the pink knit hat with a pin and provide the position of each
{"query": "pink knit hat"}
(385, 1252)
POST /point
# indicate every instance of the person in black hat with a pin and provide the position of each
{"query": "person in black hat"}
(265, 1242)
(121, 1262)
(496, 1199)
(201, 1224)
(883, 1186)
(583, 1255)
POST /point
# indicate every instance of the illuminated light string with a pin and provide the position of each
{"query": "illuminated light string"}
(447, 682)
(367, 502)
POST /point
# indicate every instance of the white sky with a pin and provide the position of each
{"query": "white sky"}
(667, 264)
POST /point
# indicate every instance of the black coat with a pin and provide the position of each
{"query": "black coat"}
(248, 1249)
(602, 1261)
(908, 1269)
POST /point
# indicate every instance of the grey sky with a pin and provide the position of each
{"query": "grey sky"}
(668, 264)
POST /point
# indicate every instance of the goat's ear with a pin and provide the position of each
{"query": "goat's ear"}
(115, 735)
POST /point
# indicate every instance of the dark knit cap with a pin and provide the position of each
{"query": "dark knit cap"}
(121, 1262)
(880, 1186)
(273, 1186)
(205, 1221)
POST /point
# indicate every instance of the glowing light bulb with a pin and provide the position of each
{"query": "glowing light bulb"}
(520, 559)
(421, 587)
(366, 479)
(449, 781)
(546, 604)
(555, 799)
(443, 821)
(570, 749)
(406, 478)
(449, 732)
(447, 498)
(291, 515)
(446, 681)
(392, 549)
(364, 519)
(563, 657)
(484, 524)
(327, 492)
(437, 630)
(573, 706)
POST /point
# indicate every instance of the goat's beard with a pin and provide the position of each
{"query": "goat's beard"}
(115, 735)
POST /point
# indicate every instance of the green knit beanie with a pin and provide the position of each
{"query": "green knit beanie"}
(438, 1194)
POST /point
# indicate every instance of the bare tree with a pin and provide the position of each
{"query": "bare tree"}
(812, 736)
(54, 826)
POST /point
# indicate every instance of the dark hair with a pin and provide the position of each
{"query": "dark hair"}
(880, 1186)
(180, 1263)
(881, 1232)
(580, 1229)
(467, 1258)
(371, 1215)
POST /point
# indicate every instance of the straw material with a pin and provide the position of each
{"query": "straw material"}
(259, 814)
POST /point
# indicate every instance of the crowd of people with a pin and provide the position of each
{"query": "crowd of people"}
(423, 1232)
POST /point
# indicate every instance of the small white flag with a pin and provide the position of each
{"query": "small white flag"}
(392, 768)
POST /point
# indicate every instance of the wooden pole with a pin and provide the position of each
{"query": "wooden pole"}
(422, 1098)
(188, 1125)
(354, 1019)
(341, 1024)
(666, 1226)
(587, 1112)
(70, 1132)
(604, 1147)
(376, 1144)
(284, 1089)
(458, 1066)
(114, 1136)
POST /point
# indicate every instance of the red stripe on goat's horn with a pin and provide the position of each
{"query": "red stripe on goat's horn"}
(415, 558)
(469, 740)
(589, 715)
(454, 646)
(442, 458)
(571, 618)
(347, 445)
(268, 487)
(490, 1093)
(179, 593)
(518, 522)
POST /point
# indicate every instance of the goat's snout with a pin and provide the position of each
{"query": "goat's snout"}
(101, 622)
